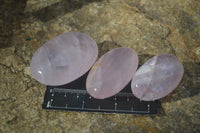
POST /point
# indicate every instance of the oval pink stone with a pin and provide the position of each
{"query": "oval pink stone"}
(158, 77)
(64, 58)
(112, 72)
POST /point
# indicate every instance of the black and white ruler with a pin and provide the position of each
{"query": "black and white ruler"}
(74, 97)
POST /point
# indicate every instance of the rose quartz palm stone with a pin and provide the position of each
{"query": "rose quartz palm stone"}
(64, 58)
(112, 72)
(158, 77)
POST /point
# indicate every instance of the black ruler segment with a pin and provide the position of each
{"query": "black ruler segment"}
(74, 97)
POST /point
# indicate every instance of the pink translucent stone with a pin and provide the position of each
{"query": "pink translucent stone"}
(112, 72)
(158, 77)
(64, 58)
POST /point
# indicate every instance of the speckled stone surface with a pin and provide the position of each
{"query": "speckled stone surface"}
(150, 27)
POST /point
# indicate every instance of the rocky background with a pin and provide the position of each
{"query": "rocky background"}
(150, 27)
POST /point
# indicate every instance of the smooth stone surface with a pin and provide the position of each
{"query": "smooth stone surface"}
(112, 72)
(64, 58)
(158, 77)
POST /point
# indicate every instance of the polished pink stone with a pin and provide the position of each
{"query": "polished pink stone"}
(112, 72)
(158, 77)
(64, 58)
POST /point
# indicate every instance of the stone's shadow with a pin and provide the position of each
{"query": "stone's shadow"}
(12, 13)
(60, 8)
(106, 46)
(143, 58)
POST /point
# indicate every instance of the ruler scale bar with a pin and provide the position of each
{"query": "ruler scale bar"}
(61, 90)
(138, 111)
(74, 97)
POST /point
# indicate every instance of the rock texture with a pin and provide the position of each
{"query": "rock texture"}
(150, 27)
